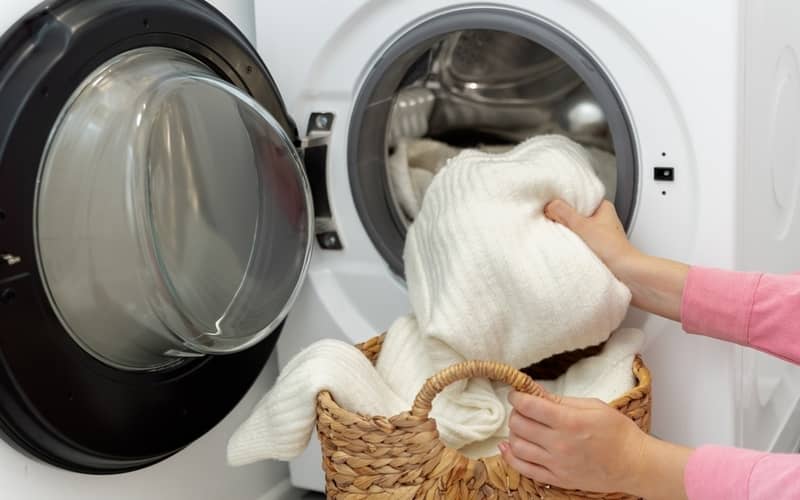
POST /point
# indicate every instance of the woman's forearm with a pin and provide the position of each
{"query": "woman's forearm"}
(656, 284)
(661, 471)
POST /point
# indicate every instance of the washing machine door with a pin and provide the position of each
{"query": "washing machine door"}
(155, 222)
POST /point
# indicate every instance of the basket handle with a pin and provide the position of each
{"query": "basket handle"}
(472, 369)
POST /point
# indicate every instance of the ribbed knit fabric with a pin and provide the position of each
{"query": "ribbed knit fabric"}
(489, 277)
(414, 162)
(412, 166)
(465, 413)
(282, 422)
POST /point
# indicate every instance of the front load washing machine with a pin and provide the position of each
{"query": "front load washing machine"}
(155, 225)
(698, 103)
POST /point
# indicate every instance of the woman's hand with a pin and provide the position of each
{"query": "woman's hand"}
(656, 284)
(602, 232)
(585, 444)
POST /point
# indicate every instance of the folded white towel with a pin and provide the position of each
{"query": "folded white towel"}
(489, 278)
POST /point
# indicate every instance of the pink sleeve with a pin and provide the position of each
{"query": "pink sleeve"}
(761, 311)
(757, 310)
(720, 473)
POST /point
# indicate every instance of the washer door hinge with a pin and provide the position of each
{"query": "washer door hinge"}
(314, 149)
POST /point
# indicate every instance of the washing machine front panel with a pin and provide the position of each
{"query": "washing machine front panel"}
(155, 214)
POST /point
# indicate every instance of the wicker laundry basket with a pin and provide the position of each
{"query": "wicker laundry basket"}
(402, 457)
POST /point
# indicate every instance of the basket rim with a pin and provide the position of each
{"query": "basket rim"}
(642, 388)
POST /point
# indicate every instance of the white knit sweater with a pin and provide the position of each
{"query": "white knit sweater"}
(490, 277)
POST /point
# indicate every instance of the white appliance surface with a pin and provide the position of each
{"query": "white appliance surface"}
(711, 89)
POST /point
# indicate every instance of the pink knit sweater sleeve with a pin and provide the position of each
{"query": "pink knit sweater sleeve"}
(761, 311)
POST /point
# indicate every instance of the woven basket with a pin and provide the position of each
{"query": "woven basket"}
(402, 457)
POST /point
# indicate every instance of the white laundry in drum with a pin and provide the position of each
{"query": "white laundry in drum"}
(489, 277)
(414, 161)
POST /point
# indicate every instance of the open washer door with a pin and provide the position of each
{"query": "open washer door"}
(155, 222)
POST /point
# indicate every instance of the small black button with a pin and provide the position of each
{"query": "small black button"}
(329, 240)
(664, 173)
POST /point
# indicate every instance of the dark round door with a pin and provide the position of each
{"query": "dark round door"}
(155, 222)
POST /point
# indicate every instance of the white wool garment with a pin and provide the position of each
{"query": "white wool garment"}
(408, 179)
(412, 166)
(282, 422)
(490, 277)
(429, 154)
(465, 412)
(414, 162)
(605, 376)
(472, 416)
(605, 166)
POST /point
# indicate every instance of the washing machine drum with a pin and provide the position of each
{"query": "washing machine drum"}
(478, 77)
(159, 224)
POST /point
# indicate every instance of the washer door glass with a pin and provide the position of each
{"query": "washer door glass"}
(173, 215)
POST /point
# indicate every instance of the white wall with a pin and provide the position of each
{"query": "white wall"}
(242, 13)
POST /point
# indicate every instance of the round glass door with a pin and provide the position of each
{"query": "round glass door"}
(173, 216)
